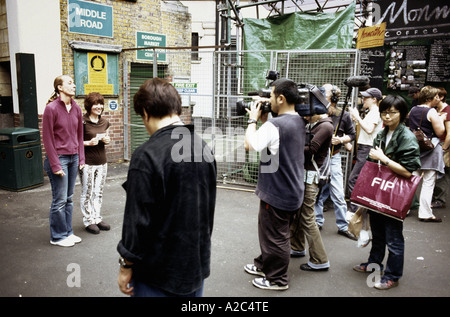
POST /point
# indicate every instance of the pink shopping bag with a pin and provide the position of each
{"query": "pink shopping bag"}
(379, 189)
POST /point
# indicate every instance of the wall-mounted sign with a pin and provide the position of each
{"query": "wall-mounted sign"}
(186, 88)
(407, 66)
(113, 105)
(98, 74)
(144, 39)
(90, 18)
(372, 65)
(413, 19)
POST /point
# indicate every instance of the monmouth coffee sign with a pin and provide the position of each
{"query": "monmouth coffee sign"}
(413, 19)
(90, 18)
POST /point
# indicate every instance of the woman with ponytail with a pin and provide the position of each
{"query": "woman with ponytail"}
(62, 130)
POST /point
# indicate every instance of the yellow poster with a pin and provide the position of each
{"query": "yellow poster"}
(98, 75)
(371, 36)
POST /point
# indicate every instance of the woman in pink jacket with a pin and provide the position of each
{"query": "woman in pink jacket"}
(62, 130)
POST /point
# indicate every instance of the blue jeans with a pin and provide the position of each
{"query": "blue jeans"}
(62, 196)
(335, 189)
(145, 290)
(387, 232)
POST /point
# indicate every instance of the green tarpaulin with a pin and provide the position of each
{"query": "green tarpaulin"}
(299, 30)
(295, 31)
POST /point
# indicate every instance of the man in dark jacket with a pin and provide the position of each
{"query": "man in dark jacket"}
(304, 227)
(171, 190)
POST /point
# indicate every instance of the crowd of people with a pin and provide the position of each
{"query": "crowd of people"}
(385, 126)
(171, 184)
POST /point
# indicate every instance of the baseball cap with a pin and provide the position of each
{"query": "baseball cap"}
(372, 92)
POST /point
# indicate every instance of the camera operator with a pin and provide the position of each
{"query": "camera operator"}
(280, 187)
(304, 224)
(335, 188)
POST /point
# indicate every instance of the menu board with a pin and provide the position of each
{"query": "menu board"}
(372, 65)
(439, 64)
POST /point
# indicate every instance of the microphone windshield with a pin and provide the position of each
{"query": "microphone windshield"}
(357, 81)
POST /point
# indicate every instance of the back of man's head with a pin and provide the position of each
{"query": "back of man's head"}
(287, 88)
(158, 98)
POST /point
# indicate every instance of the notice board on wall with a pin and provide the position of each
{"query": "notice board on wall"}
(96, 72)
(426, 63)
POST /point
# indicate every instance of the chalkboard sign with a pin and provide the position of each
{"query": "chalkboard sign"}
(372, 65)
(439, 63)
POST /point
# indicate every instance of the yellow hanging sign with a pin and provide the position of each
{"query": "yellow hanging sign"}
(372, 36)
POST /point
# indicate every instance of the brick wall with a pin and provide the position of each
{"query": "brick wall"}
(129, 17)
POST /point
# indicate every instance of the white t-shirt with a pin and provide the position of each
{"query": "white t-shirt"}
(267, 136)
(373, 117)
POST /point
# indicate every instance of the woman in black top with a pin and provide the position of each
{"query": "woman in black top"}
(93, 176)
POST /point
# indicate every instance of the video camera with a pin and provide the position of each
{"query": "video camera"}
(311, 100)
(241, 105)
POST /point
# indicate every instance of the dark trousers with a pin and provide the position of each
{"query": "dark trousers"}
(274, 241)
(361, 159)
(388, 232)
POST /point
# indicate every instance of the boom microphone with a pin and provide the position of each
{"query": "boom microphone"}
(253, 93)
(357, 81)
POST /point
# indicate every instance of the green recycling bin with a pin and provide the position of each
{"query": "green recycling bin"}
(20, 159)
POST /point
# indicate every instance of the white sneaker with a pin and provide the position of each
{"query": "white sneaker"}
(63, 243)
(74, 238)
(262, 283)
(252, 269)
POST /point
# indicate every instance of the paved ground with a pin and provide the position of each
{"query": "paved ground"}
(31, 267)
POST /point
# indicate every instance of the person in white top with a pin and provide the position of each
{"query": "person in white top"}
(369, 128)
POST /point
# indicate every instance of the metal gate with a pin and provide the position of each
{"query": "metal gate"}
(210, 84)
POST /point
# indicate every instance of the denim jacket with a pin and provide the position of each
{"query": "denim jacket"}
(402, 148)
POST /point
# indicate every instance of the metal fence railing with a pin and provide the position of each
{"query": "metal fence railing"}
(210, 84)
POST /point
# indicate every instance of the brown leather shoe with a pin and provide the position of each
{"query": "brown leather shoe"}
(93, 229)
(103, 226)
(431, 219)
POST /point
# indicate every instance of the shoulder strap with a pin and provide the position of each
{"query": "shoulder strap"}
(326, 163)
(421, 118)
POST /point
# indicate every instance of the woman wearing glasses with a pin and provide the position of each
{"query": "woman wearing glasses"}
(396, 147)
(93, 175)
